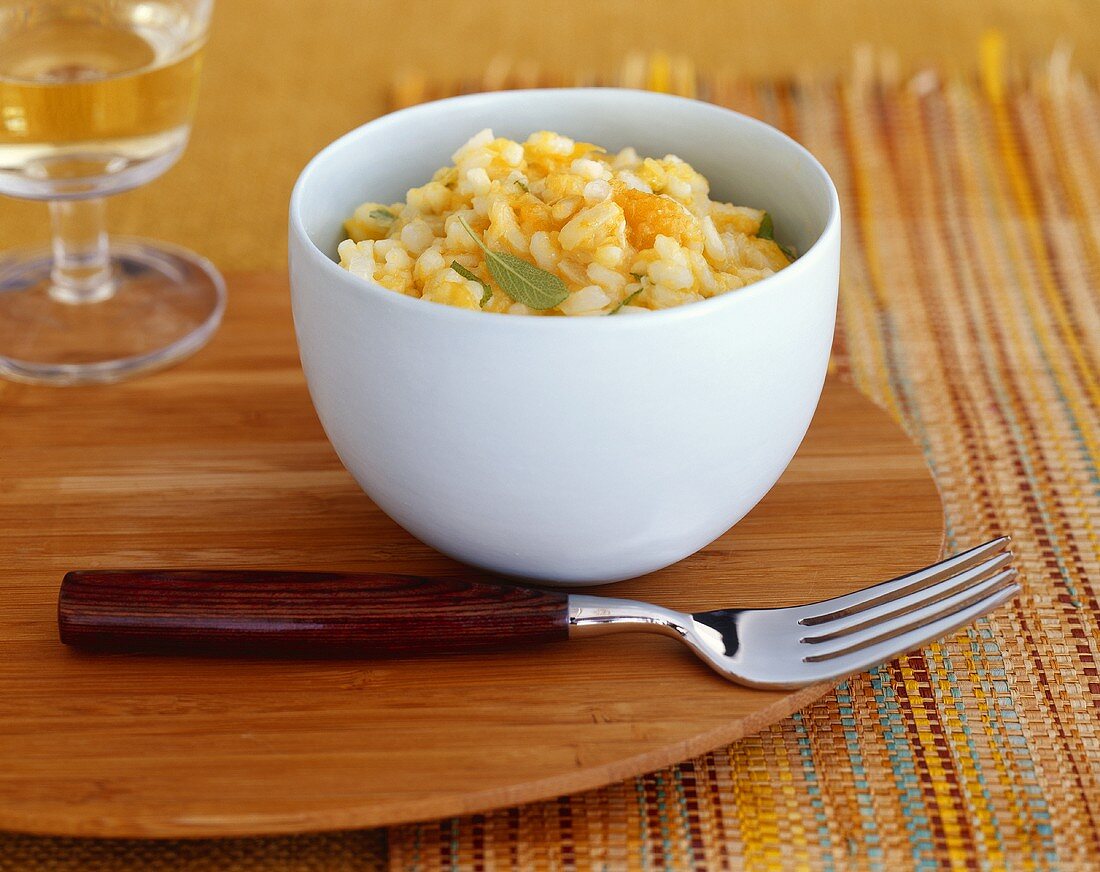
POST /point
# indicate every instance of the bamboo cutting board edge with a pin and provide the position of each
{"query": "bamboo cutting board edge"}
(221, 462)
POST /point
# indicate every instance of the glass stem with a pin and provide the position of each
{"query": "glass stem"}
(81, 260)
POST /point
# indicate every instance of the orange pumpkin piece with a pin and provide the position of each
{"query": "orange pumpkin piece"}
(533, 215)
(650, 215)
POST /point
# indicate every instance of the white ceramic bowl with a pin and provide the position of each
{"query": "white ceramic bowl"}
(569, 450)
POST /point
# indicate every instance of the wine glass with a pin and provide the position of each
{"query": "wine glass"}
(97, 97)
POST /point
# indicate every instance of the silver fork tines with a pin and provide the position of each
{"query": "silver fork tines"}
(888, 591)
(856, 620)
(800, 645)
(976, 596)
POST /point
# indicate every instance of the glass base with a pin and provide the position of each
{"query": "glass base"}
(165, 305)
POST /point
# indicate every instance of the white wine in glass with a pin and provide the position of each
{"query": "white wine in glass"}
(97, 97)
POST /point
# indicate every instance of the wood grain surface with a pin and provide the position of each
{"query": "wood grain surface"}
(221, 462)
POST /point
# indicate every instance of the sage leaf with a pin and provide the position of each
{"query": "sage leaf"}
(767, 229)
(522, 281)
(382, 215)
(626, 301)
(526, 283)
(487, 294)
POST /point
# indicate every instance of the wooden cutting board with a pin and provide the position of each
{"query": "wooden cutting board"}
(221, 462)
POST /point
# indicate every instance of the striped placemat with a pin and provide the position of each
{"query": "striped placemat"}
(970, 309)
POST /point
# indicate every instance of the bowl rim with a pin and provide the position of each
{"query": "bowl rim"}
(803, 264)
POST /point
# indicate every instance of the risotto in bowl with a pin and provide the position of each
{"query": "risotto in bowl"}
(609, 233)
(567, 335)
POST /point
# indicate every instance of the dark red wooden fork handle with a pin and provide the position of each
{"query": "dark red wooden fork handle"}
(304, 614)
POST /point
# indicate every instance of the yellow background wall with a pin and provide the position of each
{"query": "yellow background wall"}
(284, 78)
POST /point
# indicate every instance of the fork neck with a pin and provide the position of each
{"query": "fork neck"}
(600, 616)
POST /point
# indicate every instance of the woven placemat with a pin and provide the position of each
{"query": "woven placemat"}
(970, 310)
(361, 851)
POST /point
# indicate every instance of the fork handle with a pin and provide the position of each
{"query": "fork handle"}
(304, 614)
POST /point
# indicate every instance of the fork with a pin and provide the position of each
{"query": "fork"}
(375, 615)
